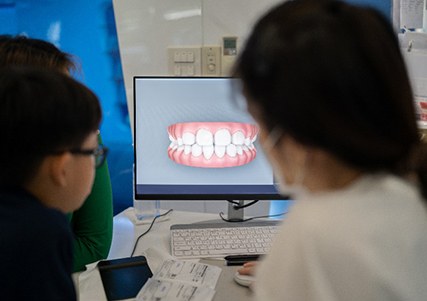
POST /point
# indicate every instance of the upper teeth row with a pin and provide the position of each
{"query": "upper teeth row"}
(221, 138)
(220, 143)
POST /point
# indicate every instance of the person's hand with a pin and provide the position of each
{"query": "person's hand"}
(248, 268)
(245, 275)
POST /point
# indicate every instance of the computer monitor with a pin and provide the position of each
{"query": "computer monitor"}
(193, 142)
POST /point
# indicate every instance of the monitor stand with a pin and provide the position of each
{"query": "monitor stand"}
(236, 211)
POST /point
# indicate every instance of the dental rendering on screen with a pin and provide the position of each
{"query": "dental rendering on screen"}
(212, 144)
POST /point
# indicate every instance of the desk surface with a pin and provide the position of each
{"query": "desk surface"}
(125, 234)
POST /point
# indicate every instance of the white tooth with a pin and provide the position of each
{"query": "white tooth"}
(196, 150)
(173, 145)
(238, 138)
(188, 138)
(247, 141)
(187, 149)
(219, 151)
(180, 141)
(251, 146)
(231, 150)
(208, 151)
(171, 138)
(239, 149)
(254, 138)
(204, 137)
(222, 137)
(245, 148)
(181, 147)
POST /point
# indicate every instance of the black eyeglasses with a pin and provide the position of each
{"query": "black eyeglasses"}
(100, 154)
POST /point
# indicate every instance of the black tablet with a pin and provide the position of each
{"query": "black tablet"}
(123, 278)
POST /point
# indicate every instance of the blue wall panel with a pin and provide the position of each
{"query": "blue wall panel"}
(383, 5)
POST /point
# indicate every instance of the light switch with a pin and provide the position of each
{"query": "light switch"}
(184, 61)
(211, 61)
(190, 57)
(177, 70)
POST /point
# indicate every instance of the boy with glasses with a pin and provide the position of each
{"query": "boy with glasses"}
(92, 223)
(49, 132)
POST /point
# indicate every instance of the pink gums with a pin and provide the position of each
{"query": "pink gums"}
(177, 154)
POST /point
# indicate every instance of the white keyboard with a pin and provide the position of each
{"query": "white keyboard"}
(202, 240)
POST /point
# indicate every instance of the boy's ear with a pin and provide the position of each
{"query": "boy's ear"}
(58, 168)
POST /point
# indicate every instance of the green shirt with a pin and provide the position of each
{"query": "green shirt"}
(92, 224)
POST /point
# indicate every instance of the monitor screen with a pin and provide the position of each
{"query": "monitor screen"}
(192, 142)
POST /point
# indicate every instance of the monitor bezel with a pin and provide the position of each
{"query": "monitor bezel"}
(170, 197)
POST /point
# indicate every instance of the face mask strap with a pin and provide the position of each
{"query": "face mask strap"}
(272, 138)
(300, 176)
(296, 188)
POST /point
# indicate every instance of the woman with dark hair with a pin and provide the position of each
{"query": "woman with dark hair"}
(92, 224)
(327, 84)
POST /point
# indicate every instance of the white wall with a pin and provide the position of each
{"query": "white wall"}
(146, 28)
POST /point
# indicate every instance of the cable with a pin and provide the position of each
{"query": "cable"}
(237, 206)
(221, 215)
(148, 230)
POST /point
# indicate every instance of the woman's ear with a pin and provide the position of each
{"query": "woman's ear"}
(59, 168)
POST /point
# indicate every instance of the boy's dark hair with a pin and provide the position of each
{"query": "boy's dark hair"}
(41, 112)
(23, 51)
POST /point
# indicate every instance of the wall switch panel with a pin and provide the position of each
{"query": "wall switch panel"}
(229, 54)
(184, 61)
(211, 60)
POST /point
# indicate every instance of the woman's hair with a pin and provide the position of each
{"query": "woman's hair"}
(332, 76)
(42, 112)
(24, 51)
